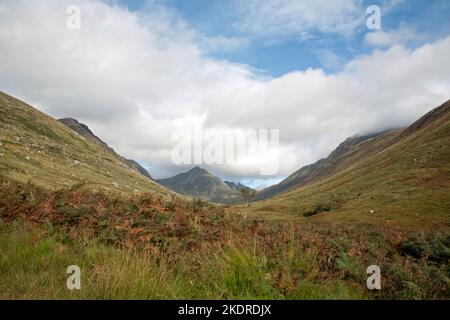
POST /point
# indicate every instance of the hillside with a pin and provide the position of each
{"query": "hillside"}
(199, 183)
(352, 150)
(399, 179)
(35, 147)
(139, 168)
(84, 131)
(237, 186)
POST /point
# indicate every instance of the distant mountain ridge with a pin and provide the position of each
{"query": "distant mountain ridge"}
(347, 153)
(350, 152)
(396, 178)
(237, 186)
(199, 183)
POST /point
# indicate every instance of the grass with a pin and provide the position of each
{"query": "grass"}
(140, 248)
(33, 267)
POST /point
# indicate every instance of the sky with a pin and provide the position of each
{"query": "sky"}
(137, 71)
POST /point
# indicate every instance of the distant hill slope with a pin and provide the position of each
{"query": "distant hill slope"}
(345, 155)
(139, 168)
(84, 131)
(237, 186)
(35, 147)
(400, 177)
(199, 183)
(349, 153)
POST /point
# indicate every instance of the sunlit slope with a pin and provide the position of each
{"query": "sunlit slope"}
(35, 147)
(406, 184)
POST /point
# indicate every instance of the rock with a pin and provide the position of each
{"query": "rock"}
(28, 158)
(115, 184)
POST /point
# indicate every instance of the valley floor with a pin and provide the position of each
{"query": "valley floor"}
(147, 247)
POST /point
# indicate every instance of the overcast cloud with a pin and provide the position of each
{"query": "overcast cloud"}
(135, 77)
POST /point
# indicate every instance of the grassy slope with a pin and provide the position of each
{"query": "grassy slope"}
(343, 157)
(36, 147)
(407, 186)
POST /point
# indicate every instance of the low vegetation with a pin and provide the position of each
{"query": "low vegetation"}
(151, 247)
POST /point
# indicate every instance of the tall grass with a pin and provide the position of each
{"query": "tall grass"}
(140, 248)
(33, 266)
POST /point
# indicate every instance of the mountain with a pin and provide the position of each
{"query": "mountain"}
(345, 155)
(399, 178)
(84, 131)
(199, 183)
(35, 147)
(237, 186)
(349, 153)
(139, 168)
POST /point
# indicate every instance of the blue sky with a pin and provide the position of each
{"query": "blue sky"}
(285, 52)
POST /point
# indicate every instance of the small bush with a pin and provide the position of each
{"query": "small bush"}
(436, 248)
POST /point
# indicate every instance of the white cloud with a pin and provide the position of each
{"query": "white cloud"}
(285, 18)
(133, 81)
(383, 39)
(329, 59)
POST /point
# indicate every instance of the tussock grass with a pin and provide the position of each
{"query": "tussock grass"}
(33, 265)
(153, 247)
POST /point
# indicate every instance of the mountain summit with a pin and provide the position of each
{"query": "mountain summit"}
(199, 183)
